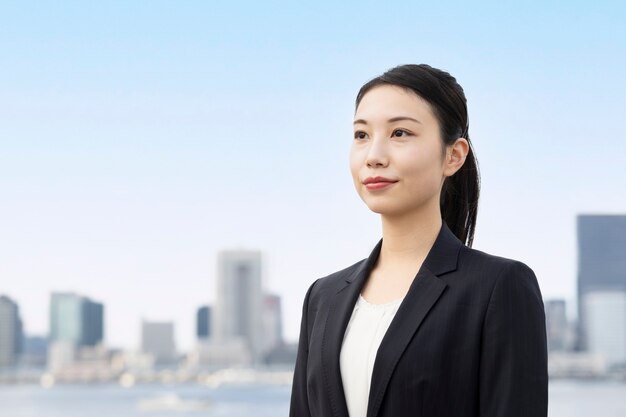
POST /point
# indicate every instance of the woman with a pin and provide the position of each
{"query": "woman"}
(425, 326)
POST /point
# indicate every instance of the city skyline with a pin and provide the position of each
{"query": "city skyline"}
(133, 152)
(247, 326)
(251, 260)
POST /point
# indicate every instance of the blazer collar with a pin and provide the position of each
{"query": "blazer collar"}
(425, 290)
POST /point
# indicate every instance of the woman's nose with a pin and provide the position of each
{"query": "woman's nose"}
(377, 153)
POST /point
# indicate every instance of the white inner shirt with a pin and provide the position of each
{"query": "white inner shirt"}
(366, 328)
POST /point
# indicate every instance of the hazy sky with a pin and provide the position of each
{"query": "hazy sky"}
(139, 139)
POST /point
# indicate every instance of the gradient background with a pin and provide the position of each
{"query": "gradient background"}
(137, 139)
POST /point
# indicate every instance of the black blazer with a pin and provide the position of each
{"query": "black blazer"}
(469, 339)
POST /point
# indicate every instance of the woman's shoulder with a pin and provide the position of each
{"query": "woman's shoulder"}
(476, 258)
(337, 278)
(504, 272)
(323, 287)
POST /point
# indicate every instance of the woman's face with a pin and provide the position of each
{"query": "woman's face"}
(387, 143)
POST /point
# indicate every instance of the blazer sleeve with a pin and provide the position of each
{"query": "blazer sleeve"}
(299, 406)
(513, 376)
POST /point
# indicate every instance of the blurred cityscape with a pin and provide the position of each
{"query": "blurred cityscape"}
(239, 338)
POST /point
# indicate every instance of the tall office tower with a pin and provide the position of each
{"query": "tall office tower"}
(602, 283)
(203, 322)
(272, 322)
(11, 332)
(76, 320)
(157, 338)
(556, 325)
(239, 302)
(93, 324)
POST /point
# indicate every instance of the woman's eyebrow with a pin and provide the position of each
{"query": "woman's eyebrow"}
(393, 119)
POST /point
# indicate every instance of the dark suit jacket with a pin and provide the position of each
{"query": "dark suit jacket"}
(469, 339)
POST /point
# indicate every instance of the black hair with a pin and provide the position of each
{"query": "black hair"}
(460, 192)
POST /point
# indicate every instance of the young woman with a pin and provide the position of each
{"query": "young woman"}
(425, 326)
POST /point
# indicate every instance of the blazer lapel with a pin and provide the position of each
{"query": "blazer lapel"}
(422, 295)
(339, 313)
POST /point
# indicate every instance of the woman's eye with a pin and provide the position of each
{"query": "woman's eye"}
(357, 135)
(400, 130)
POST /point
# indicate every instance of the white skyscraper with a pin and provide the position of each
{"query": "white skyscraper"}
(239, 302)
(605, 312)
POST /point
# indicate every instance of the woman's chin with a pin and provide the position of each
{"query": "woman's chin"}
(382, 208)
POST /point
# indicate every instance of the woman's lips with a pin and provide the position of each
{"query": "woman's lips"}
(379, 185)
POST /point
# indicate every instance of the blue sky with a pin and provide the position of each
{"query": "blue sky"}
(138, 139)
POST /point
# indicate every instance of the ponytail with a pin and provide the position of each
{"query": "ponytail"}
(459, 199)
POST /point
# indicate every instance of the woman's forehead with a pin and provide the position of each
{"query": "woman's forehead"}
(382, 103)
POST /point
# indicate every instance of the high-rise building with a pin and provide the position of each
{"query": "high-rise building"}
(157, 338)
(35, 351)
(203, 322)
(239, 301)
(602, 285)
(76, 320)
(93, 324)
(11, 332)
(556, 325)
(272, 322)
(605, 313)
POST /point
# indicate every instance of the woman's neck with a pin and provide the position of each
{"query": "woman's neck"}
(408, 239)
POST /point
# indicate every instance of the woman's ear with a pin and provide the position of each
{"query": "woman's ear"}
(455, 156)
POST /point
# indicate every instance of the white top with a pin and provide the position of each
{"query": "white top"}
(366, 328)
